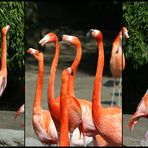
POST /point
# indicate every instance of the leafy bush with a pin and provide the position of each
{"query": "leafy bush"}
(13, 13)
(135, 18)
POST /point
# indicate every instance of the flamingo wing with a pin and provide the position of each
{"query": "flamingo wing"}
(141, 111)
(40, 131)
(20, 110)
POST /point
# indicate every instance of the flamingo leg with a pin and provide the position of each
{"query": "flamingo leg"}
(113, 94)
(71, 138)
(119, 91)
(146, 136)
(58, 138)
(84, 139)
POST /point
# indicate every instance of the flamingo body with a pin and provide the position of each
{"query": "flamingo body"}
(74, 109)
(108, 121)
(20, 110)
(141, 111)
(42, 122)
(117, 60)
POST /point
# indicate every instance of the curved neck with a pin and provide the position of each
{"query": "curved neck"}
(39, 86)
(96, 102)
(4, 52)
(74, 68)
(64, 139)
(51, 100)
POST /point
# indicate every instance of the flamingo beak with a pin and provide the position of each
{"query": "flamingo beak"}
(70, 70)
(89, 33)
(64, 37)
(31, 51)
(126, 35)
(7, 27)
(44, 40)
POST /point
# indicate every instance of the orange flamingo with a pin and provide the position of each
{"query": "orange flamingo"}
(42, 122)
(108, 121)
(86, 107)
(117, 61)
(141, 111)
(64, 139)
(19, 111)
(88, 128)
(74, 109)
(3, 71)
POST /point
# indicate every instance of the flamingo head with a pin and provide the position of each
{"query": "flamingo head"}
(35, 53)
(72, 39)
(97, 34)
(70, 70)
(125, 32)
(50, 37)
(5, 29)
(66, 74)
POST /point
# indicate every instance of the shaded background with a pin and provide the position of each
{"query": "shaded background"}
(74, 19)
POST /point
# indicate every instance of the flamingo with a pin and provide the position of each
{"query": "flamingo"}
(86, 106)
(3, 71)
(19, 111)
(88, 128)
(141, 111)
(42, 122)
(108, 121)
(74, 108)
(64, 138)
(117, 61)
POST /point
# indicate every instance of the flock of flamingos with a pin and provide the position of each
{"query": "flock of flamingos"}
(69, 115)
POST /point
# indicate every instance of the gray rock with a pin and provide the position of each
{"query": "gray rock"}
(144, 142)
(10, 137)
(30, 141)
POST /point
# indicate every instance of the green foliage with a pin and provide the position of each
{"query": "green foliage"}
(13, 13)
(135, 18)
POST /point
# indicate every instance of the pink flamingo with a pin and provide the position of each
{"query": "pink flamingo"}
(88, 128)
(108, 121)
(74, 109)
(86, 106)
(19, 111)
(117, 61)
(3, 70)
(141, 111)
(42, 122)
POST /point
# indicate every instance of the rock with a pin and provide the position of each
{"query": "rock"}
(144, 142)
(10, 137)
(30, 141)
